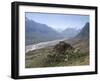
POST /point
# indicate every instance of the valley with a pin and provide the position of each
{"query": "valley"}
(45, 47)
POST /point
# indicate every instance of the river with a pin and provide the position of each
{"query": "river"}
(42, 45)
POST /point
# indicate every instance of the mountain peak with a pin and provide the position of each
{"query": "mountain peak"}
(84, 33)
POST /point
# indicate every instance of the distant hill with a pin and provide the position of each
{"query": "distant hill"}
(70, 32)
(37, 32)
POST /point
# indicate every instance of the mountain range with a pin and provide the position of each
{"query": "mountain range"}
(84, 33)
(81, 40)
(36, 32)
(70, 32)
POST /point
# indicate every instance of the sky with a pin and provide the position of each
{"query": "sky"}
(59, 22)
